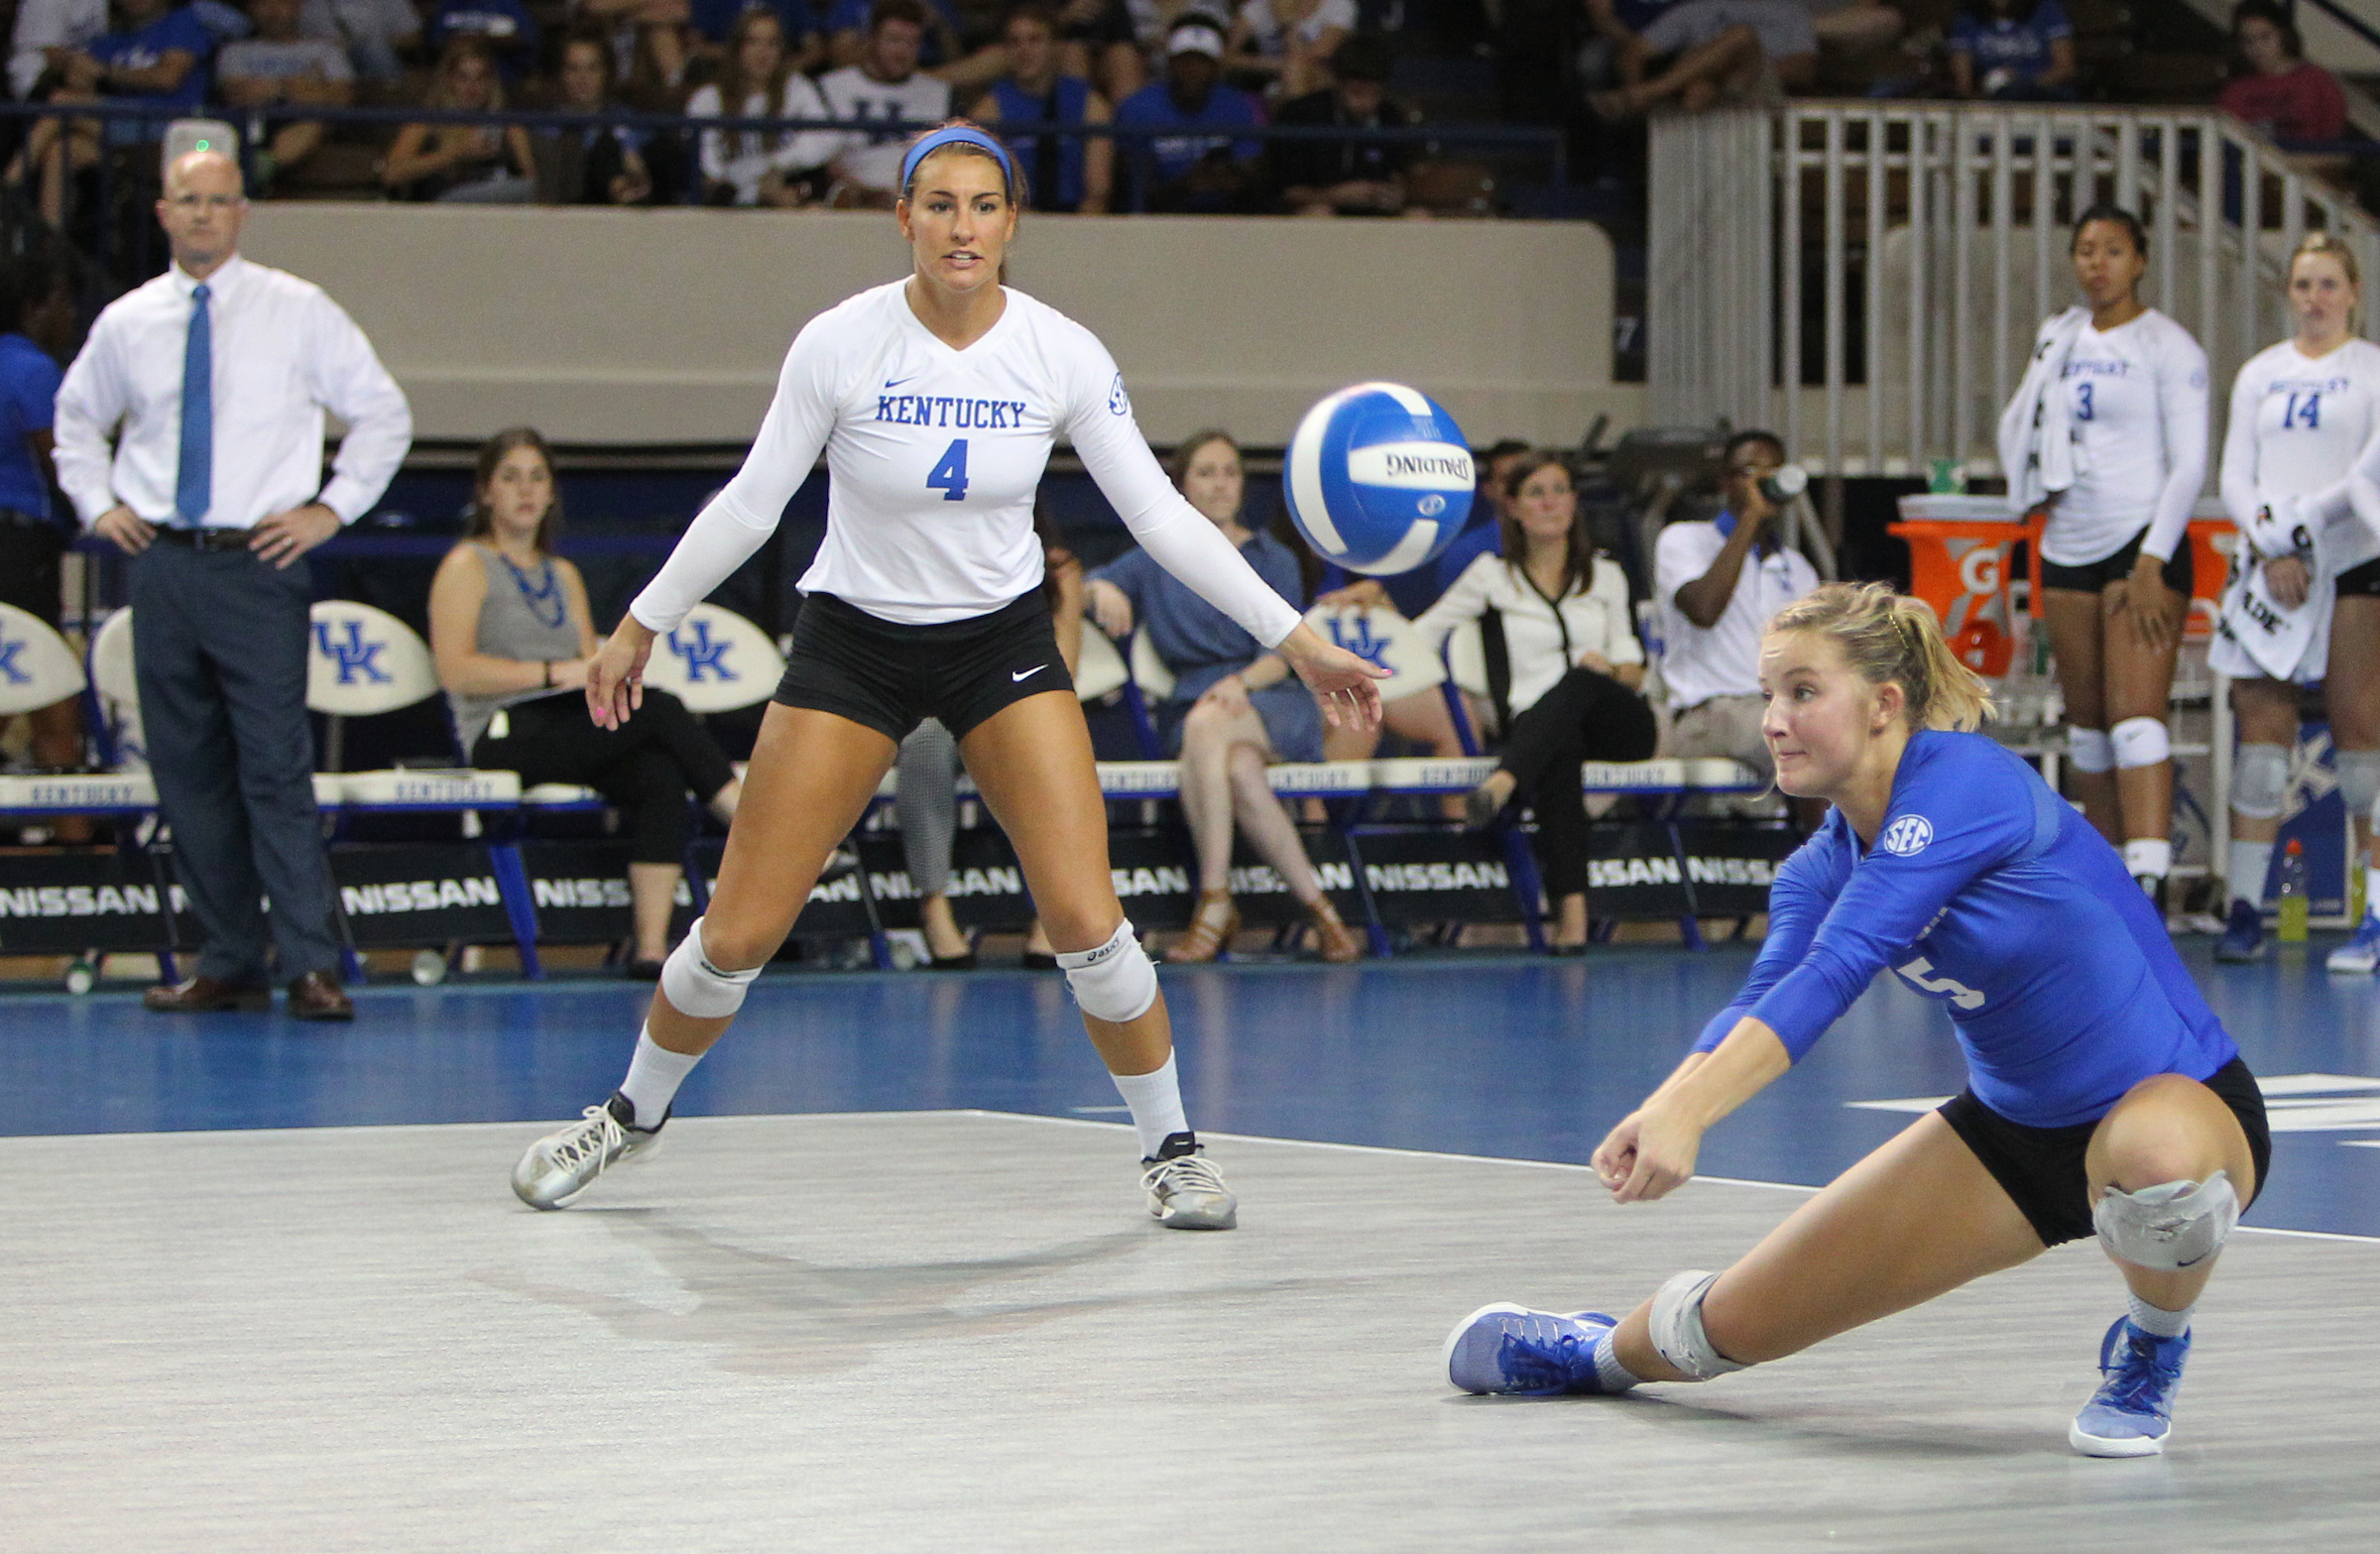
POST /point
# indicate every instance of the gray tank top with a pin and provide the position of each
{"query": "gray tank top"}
(527, 616)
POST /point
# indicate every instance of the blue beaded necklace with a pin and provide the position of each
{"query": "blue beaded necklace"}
(548, 590)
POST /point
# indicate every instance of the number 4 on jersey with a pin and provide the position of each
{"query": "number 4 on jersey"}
(950, 475)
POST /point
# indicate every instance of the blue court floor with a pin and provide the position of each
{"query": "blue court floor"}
(1504, 1056)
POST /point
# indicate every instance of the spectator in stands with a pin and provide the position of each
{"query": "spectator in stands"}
(1183, 171)
(505, 26)
(37, 323)
(279, 69)
(482, 163)
(2013, 51)
(47, 34)
(1346, 178)
(1289, 43)
(945, 51)
(1235, 707)
(1717, 584)
(927, 805)
(656, 29)
(512, 632)
(1099, 39)
(377, 33)
(1063, 173)
(1564, 669)
(1699, 52)
(155, 59)
(711, 20)
(883, 84)
(2279, 90)
(749, 167)
(600, 164)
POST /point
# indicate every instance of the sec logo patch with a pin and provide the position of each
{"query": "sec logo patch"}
(1119, 403)
(1906, 836)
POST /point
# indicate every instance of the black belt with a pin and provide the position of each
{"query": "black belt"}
(206, 539)
(10, 517)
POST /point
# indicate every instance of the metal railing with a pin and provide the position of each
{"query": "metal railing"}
(1867, 277)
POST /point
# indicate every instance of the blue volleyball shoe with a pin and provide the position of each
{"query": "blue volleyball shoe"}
(2133, 1409)
(1519, 1353)
(2360, 955)
(2243, 934)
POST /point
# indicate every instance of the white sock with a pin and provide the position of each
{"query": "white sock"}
(2250, 860)
(1156, 1103)
(2152, 856)
(1613, 1377)
(654, 1076)
(2158, 1321)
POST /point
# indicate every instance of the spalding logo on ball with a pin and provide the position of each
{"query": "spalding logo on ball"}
(1379, 478)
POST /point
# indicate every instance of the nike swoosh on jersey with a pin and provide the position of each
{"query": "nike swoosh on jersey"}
(895, 383)
(1027, 675)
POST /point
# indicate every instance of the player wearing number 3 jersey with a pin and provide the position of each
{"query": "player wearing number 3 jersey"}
(937, 400)
(2103, 1096)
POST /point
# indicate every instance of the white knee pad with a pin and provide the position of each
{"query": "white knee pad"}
(2171, 1226)
(1677, 1327)
(696, 988)
(1115, 982)
(2090, 749)
(2140, 742)
(2358, 779)
(2260, 781)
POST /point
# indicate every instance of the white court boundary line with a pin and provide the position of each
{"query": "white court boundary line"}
(1063, 1122)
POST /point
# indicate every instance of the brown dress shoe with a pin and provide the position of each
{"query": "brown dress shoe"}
(207, 996)
(319, 996)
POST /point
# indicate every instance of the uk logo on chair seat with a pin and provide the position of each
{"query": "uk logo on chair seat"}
(357, 660)
(692, 643)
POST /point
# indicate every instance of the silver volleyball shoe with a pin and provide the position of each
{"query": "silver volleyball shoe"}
(1185, 1191)
(562, 1166)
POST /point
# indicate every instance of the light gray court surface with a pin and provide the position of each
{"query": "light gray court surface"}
(956, 1331)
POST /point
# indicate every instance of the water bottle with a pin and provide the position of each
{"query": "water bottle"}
(2291, 929)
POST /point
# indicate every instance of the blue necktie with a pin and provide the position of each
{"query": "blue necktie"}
(193, 486)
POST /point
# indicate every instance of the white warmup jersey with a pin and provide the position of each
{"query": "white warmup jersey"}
(2138, 396)
(932, 458)
(872, 158)
(2297, 424)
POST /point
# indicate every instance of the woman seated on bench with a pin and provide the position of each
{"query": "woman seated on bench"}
(1563, 669)
(512, 633)
(1234, 708)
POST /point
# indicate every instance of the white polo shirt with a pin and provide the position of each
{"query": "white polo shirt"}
(1724, 658)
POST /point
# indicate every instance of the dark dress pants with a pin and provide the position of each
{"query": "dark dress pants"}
(219, 647)
(1585, 716)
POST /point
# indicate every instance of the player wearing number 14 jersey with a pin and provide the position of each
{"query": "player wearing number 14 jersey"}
(935, 400)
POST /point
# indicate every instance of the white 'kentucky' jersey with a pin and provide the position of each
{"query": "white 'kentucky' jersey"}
(932, 456)
(872, 158)
(2137, 395)
(2297, 424)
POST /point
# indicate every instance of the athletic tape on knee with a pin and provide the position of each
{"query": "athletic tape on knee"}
(1115, 982)
(2090, 749)
(696, 988)
(1677, 1327)
(2358, 779)
(2260, 781)
(2168, 1227)
(2140, 742)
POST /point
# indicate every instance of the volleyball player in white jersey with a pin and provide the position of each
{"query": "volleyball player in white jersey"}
(2302, 606)
(2115, 555)
(937, 400)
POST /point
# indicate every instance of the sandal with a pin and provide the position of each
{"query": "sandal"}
(1332, 936)
(1212, 924)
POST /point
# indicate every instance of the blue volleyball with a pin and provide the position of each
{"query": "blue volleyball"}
(1378, 479)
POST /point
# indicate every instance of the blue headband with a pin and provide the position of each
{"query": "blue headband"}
(954, 135)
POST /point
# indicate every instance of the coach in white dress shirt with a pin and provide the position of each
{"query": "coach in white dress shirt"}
(190, 434)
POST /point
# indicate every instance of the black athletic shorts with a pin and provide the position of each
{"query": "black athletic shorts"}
(29, 554)
(2042, 1167)
(2364, 579)
(892, 677)
(2093, 576)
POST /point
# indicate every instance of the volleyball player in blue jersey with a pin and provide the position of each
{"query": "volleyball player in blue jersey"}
(2103, 1096)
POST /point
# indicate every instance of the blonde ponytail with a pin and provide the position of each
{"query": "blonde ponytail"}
(1891, 639)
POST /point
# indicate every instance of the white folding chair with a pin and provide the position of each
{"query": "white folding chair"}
(715, 661)
(116, 688)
